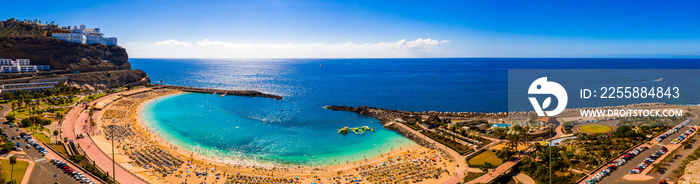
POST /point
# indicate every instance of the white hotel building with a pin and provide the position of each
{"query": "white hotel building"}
(85, 35)
(20, 66)
(28, 87)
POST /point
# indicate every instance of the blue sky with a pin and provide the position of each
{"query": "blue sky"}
(318, 29)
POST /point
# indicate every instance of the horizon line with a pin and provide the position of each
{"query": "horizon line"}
(694, 57)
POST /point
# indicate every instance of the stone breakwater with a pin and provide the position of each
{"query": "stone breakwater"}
(386, 115)
(249, 93)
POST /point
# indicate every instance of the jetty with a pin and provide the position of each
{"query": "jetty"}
(387, 115)
(250, 93)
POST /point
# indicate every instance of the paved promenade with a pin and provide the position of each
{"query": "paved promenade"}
(525, 179)
(77, 122)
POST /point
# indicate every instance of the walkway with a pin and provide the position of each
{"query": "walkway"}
(77, 122)
(559, 131)
(522, 178)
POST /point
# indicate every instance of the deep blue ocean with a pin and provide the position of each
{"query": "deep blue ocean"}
(297, 130)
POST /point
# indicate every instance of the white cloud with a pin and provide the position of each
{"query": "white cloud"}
(418, 44)
(221, 49)
(421, 44)
(206, 42)
(173, 42)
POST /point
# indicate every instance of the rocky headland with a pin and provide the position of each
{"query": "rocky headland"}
(107, 79)
(88, 66)
(22, 40)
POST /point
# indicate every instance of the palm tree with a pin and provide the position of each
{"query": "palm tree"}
(13, 161)
(92, 124)
(499, 133)
(524, 136)
(518, 136)
(513, 141)
(538, 149)
(55, 135)
(685, 144)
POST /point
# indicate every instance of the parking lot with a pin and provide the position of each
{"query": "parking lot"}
(616, 175)
(43, 170)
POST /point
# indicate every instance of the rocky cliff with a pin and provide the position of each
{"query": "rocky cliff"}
(21, 40)
(107, 79)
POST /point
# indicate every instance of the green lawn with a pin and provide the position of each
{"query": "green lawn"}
(61, 110)
(72, 100)
(484, 157)
(20, 113)
(19, 169)
(36, 129)
(43, 138)
(595, 128)
(95, 96)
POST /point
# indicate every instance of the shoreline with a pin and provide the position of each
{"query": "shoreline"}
(285, 170)
(158, 137)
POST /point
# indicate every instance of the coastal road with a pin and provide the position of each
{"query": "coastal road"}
(43, 169)
(76, 123)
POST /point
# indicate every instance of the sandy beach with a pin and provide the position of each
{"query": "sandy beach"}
(200, 168)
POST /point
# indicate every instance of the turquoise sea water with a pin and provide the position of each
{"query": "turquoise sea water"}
(255, 130)
(246, 130)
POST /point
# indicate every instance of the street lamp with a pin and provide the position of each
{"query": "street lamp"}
(114, 164)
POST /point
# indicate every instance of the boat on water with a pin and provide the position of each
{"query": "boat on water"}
(222, 95)
(660, 79)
